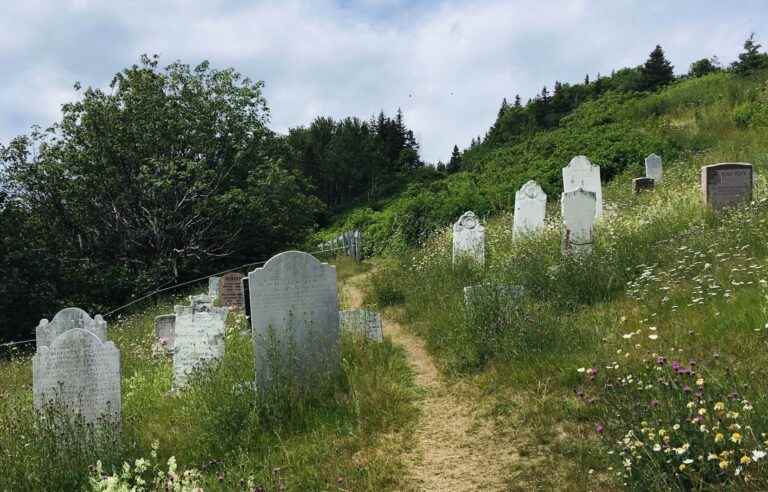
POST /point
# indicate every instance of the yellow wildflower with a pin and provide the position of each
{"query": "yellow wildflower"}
(736, 437)
(723, 465)
(719, 406)
(719, 437)
(745, 460)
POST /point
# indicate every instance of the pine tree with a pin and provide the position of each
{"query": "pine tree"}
(517, 101)
(751, 59)
(545, 95)
(455, 163)
(504, 107)
(586, 79)
(657, 71)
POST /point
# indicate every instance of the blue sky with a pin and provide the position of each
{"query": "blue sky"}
(447, 64)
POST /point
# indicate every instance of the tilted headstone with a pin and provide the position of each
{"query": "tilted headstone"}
(653, 168)
(726, 184)
(578, 211)
(469, 238)
(642, 184)
(246, 297)
(530, 209)
(295, 319)
(231, 290)
(363, 323)
(67, 319)
(165, 330)
(81, 372)
(199, 339)
(581, 173)
(213, 287)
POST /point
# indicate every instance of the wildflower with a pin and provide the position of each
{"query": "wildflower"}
(682, 467)
(757, 455)
(719, 406)
(712, 456)
(719, 437)
(599, 429)
(700, 382)
(723, 465)
(653, 336)
(702, 411)
(657, 447)
(580, 369)
(745, 460)
(736, 438)
(676, 427)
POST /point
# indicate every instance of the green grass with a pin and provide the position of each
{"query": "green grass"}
(318, 441)
(667, 279)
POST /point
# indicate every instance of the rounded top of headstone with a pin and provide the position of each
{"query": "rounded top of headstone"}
(73, 313)
(532, 190)
(75, 334)
(468, 221)
(293, 258)
(653, 157)
(580, 162)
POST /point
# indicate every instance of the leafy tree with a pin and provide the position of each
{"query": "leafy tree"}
(705, 66)
(750, 60)
(657, 71)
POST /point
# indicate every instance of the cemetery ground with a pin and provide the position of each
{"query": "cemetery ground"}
(640, 366)
(215, 432)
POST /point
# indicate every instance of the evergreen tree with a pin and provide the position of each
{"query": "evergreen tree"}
(455, 163)
(586, 79)
(517, 101)
(504, 107)
(751, 59)
(657, 71)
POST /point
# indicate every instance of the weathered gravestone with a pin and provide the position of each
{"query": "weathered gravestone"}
(246, 297)
(362, 322)
(578, 211)
(231, 290)
(726, 184)
(199, 338)
(295, 320)
(653, 168)
(469, 239)
(642, 184)
(67, 319)
(201, 299)
(213, 287)
(581, 173)
(475, 296)
(530, 209)
(165, 330)
(80, 372)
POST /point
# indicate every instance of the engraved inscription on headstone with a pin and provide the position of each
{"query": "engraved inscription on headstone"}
(727, 184)
(67, 319)
(653, 168)
(231, 290)
(295, 319)
(469, 238)
(578, 211)
(530, 209)
(82, 373)
(165, 330)
(363, 323)
(581, 173)
(199, 338)
(213, 287)
(642, 184)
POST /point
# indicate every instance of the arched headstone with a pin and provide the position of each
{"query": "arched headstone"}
(469, 238)
(68, 319)
(578, 211)
(581, 173)
(530, 209)
(295, 319)
(198, 338)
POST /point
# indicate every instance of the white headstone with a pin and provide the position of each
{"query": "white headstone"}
(165, 330)
(469, 238)
(199, 338)
(530, 209)
(295, 319)
(81, 372)
(362, 322)
(578, 211)
(213, 287)
(67, 319)
(581, 173)
(653, 168)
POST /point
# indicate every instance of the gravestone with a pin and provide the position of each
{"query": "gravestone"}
(581, 173)
(295, 320)
(653, 168)
(199, 338)
(231, 290)
(201, 299)
(165, 330)
(578, 211)
(67, 319)
(81, 372)
(726, 184)
(246, 297)
(477, 295)
(469, 239)
(213, 287)
(530, 209)
(362, 322)
(642, 184)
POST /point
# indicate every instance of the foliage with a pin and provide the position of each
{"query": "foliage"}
(750, 60)
(704, 66)
(657, 71)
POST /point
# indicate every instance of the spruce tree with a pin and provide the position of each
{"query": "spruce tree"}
(517, 101)
(751, 59)
(657, 71)
(455, 163)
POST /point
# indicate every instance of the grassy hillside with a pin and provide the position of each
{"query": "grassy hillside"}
(616, 131)
(644, 364)
(216, 434)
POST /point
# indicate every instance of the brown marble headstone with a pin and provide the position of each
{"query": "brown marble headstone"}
(642, 184)
(727, 184)
(231, 290)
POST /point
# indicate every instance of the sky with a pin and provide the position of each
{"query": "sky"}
(447, 64)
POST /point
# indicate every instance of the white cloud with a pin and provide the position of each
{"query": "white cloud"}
(447, 64)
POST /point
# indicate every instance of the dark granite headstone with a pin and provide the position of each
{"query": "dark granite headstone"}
(727, 184)
(642, 184)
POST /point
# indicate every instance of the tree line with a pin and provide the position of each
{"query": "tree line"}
(172, 173)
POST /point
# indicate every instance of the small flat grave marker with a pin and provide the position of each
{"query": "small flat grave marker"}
(362, 322)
